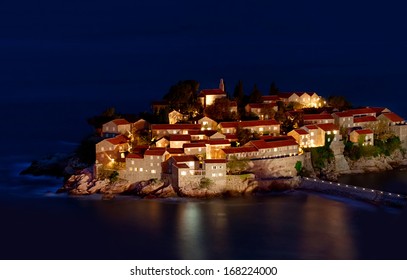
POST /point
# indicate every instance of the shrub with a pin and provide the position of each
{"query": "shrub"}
(205, 183)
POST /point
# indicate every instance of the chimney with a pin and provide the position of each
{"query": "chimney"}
(221, 85)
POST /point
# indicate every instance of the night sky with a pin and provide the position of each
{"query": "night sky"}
(64, 61)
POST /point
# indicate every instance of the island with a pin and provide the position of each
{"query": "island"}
(208, 143)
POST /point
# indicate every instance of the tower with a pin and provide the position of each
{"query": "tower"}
(221, 85)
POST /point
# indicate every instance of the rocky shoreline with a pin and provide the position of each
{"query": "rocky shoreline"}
(85, 184)
(80, 179)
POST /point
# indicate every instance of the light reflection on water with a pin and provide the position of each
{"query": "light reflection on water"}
(291, 226)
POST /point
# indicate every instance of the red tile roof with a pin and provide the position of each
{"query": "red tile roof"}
(215, 91)
(185, 158)
(175, 126)
(393, 117)
(261, 144)
(215, 160)
(258, 123)
(344, 114)
(155, 152)
(269, 138)
(364, 131)
(180, 137)
(317, 117)
(328, 126)
(362, 111)
(301, 131)
(270, 98)
(194, 145)
(364, 119)
(175, 151)
(311, 126)
(378, 110)
(120, 122)
(120, 139)
(135, 156)
(238, 150)
(229, 124)
(230, 136)
(217, 142)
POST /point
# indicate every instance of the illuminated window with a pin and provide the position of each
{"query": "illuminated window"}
(183, 173)
(131, 169)
(132, 162)
(260, 129)
(275, 149)
(220, 174)
(213, 175)
(151, 157)
(135, 169)
(151, 164)
(122, 155)
(141, 169)
(153, 172)
(103, 148)
(312, 133)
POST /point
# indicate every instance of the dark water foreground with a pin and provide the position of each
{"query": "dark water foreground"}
(37, 224)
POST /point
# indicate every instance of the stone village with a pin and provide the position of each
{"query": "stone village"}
(186, 152)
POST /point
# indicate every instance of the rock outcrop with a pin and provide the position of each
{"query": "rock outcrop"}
(376, 164)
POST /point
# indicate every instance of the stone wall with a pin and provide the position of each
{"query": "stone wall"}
(277, 167)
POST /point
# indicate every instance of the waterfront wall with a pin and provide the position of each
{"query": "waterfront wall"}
(276, 167)
(354, 192)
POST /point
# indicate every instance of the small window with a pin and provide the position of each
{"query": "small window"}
(220, 174)
(102, 149)
(151, 157)
(213, 175)
(213, 167)
(141, 169)
(131, 169)
(132, 162)
(151, 164)
(153, 172)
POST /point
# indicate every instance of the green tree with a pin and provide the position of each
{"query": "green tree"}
(205, 183)
(182, 95)
(114, 176)
(238, 93)
(237, 165)
(298, 167)
(339, 102)
(255, 96)
(273, 89)
(220, 110)
(382, 131)
(245, 135)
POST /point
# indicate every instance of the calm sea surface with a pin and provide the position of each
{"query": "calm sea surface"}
(38, 224)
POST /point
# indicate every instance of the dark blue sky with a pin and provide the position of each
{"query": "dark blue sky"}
(83, 56)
